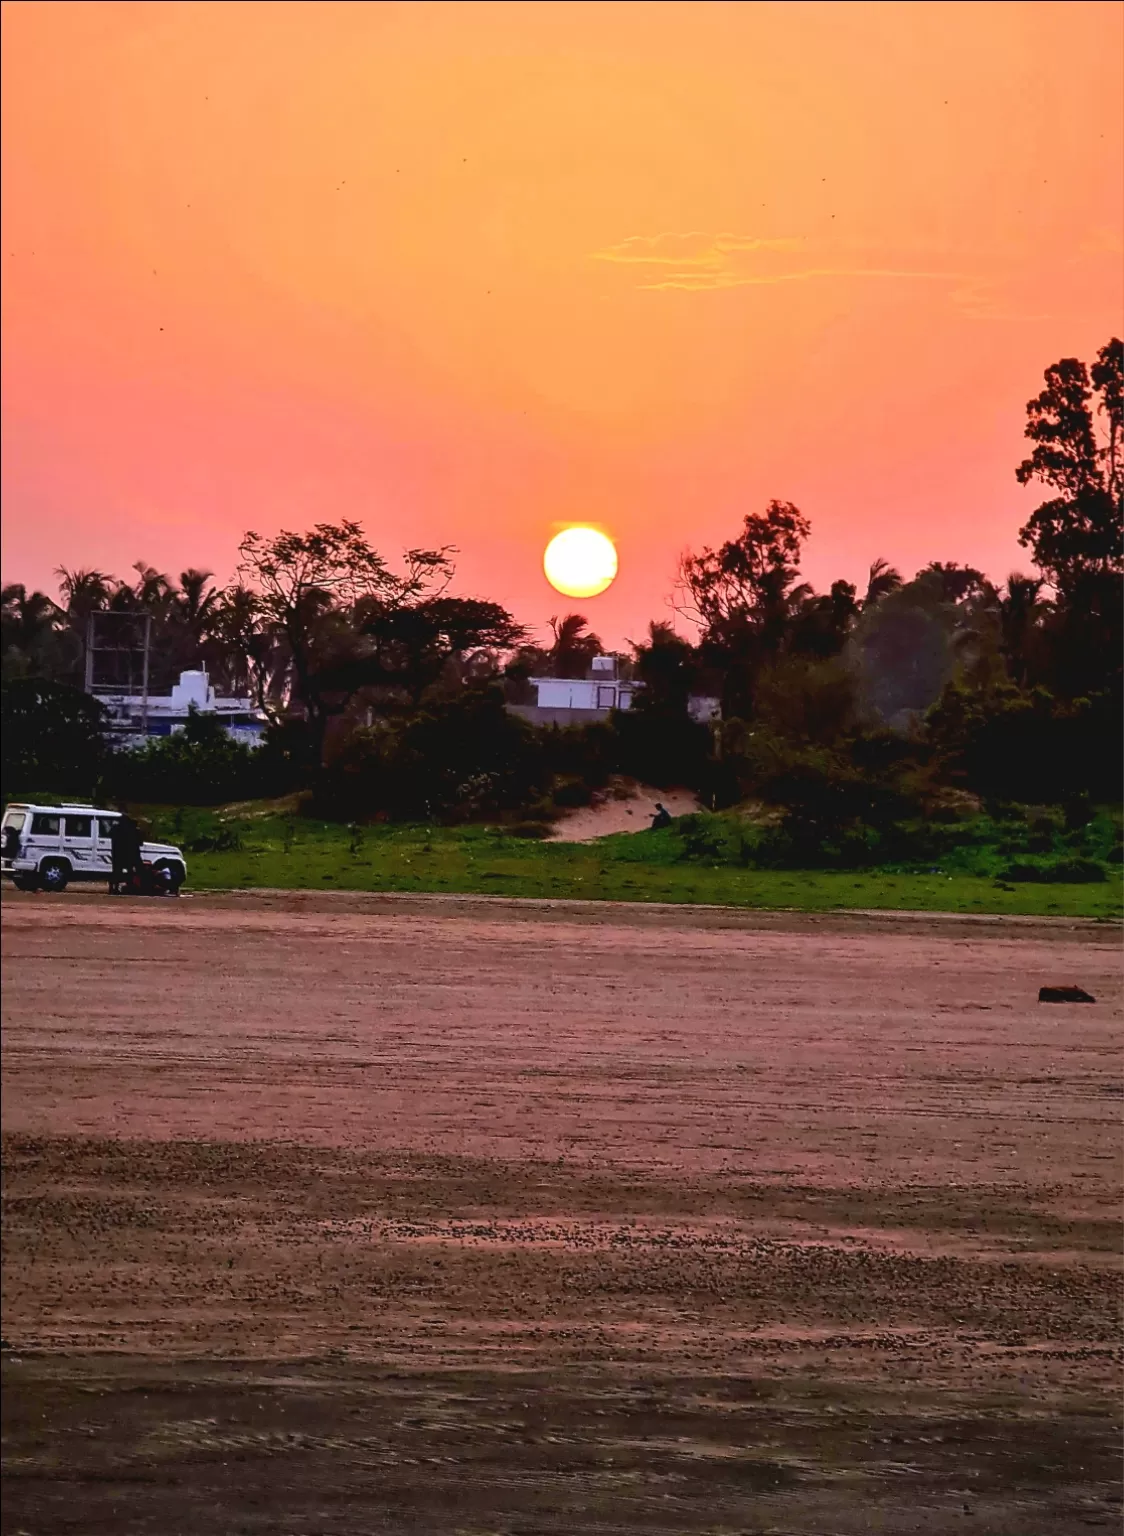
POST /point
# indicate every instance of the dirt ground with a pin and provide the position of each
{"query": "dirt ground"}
(349, 1214)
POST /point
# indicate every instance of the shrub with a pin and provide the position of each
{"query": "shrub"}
(53, 737)
(1026, 745)
(571, 793)
(1059, 872)
(714, 839)
(662, 747)
(535, 830)
(1077, 872)
(460, 758)
(585, 753)
(200, 765)
(222, 840)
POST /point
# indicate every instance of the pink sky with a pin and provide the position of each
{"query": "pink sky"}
(468, 272)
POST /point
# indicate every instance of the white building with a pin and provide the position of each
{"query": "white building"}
(578, 700)
(135, 718)
(575, 700)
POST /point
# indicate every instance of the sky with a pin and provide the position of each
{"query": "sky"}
(467, 273)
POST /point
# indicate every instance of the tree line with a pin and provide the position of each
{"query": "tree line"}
(385, 690)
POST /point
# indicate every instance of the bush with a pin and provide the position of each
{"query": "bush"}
(1059, 872)
(662, 748)
(806, 700)
(1077, 872)
(715, 839)
(1013, 744)
(535, 830)
(289, 757)
(200, 765)
(222, 840)
(53, 737)
(835, 813)
(572, 793)
(461, 758)
(583, 753)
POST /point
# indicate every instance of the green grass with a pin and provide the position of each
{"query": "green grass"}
(300, 854)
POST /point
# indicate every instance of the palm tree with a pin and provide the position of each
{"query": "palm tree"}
(881, 581)
(820, 624)
(27, 617)
(153, 592)
(575, 645)
(778, 604)
(84, 592)
(194, 602)
(245, 649)
(184, 629)
(1021, 609)
(29, 626)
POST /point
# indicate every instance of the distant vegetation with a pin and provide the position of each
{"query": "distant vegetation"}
(1018, 865)
(940, 721)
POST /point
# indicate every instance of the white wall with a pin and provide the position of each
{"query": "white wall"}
(566, 693)
(192, 688)
(583, 693)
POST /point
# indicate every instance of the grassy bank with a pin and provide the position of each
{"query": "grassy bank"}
(267, 850)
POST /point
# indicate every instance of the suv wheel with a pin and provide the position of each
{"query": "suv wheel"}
(54, 875)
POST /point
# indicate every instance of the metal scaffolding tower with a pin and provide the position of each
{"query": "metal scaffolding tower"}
(118, 649)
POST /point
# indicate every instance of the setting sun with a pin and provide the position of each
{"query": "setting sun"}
(580, 562)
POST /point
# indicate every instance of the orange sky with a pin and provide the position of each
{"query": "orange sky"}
(465, 272)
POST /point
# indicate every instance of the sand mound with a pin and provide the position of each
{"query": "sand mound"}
(627, 807)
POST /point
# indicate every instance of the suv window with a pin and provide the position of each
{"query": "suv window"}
(14, 821)
(105, 827)
(45, 826)
(79, 826)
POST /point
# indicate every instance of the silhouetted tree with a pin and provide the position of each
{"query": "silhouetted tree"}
(32, 634)
(1021, 612)
(821, 624)
(306, 582)
(52, 737)
(245, 650)
(575, 646)
(1076, 426)
(84, 592)
(881, 581)
(743, 597)
(668, 667)
(747, 578)
(955, 583)
(1077, 537)
(412, 646)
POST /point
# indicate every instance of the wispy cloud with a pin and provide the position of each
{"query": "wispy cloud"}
(977, 283)
(698, 262)
(694, 249)
(981, 298)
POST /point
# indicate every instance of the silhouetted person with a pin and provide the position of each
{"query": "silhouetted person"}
(118, 848)
(136, 861)
(125, 847)
(662, 818)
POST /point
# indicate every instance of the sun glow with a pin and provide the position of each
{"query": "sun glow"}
(580, 562)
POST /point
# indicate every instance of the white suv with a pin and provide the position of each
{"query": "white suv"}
(45, 847)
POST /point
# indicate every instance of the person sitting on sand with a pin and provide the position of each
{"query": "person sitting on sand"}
(662, 818)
